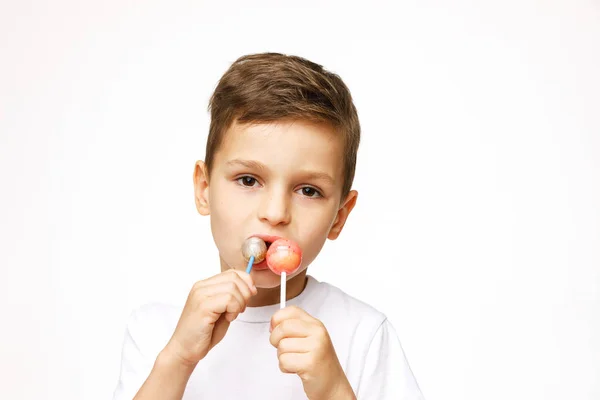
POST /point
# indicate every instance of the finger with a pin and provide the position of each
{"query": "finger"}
(219, 330)
(247, 279)
(241, 286)
(293, 345)
(222, 303)
(288, 329)
(245, 284)
(221, 288)
(224, 278)
(293, 363)
(230, 282)
(290, 312)
(241, 277)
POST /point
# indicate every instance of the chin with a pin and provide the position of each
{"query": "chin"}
(266, 279)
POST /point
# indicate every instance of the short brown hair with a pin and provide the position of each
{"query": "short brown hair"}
(270, 86)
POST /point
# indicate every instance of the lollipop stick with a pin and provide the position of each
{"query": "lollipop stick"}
(283, 290)
(250, 263)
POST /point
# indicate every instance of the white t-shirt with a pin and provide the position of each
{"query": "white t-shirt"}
(244, 364)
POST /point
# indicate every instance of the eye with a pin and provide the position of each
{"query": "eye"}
(247, 181)
(310, 192)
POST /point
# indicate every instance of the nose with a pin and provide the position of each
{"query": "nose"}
(275, 208)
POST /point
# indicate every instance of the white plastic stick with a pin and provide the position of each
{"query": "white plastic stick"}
(283, 290)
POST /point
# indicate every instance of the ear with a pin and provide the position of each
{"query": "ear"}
(201, 188)
(342, 215)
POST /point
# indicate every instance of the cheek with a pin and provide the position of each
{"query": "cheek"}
(226, 203)
(226, 216)
(314, 234)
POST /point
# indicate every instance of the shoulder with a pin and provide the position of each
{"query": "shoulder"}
(148, 330)
(337, 308)
(344, 304)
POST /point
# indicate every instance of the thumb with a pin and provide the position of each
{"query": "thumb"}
(219, 330)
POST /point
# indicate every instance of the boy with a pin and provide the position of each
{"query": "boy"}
(280, 161)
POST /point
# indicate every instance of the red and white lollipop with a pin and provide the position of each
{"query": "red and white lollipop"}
(284, 257)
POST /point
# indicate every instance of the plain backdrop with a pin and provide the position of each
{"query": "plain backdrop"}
(477, 229)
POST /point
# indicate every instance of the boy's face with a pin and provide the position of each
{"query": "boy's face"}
(281, 179)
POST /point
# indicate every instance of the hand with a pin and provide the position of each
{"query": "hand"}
(304, 348)
(210, 307)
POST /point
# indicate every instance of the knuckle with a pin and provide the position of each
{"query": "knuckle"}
(283, 345)
(205, 321)
(203, 306)
(320, 331)
(275, 320)
(293, 312)
(285, 325)
(317, 344)
(196, 286)
(198, 293)
(244, 289)
(230, 298)
(232, 316)
(283, 363)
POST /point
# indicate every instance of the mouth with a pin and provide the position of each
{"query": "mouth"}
(260, 266)
(268, 239)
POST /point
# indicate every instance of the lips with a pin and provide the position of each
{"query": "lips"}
(260, 266)
(268, 239)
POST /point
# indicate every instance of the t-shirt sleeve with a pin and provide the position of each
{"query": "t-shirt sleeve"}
(135, 365)
(386, 374)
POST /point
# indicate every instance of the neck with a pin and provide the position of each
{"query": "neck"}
(270, 296)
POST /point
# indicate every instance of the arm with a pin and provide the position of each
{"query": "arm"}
(167, 380)
(211, 306)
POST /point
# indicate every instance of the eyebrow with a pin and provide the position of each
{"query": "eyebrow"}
(247, 163)
(250, 164)
(321, 176)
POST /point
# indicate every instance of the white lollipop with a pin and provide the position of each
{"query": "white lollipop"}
(254, 250)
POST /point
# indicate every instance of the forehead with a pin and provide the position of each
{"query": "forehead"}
(286, 146)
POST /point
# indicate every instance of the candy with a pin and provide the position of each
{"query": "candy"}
(254, 247)
(284, 256)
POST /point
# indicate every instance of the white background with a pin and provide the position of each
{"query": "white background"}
(478, 224)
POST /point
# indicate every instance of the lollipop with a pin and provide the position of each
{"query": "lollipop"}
(254, 250)
(284, 257)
